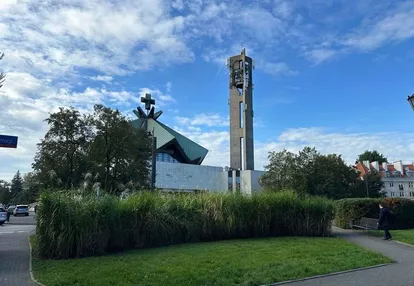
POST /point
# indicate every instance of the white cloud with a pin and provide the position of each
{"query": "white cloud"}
(105, 78)
(178, 4)
(204, 119)
(116, 38)
(396, 25)
(275, 68)
(282, 8)
(168, 86)
(375, 24)
(321, 55)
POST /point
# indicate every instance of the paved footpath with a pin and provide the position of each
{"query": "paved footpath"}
(396, 274)
(14, 251)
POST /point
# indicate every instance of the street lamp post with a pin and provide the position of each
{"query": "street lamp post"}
(410, 100)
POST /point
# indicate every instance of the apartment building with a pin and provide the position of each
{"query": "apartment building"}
(398, 178)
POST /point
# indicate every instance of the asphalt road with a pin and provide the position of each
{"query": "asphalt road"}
(14, 251)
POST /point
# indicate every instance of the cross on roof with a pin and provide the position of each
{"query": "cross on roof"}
(148, 101)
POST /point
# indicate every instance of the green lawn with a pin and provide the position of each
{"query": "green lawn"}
(406, 235)
(232, 262)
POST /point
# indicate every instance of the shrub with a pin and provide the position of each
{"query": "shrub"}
(352, 209)
(69, 227)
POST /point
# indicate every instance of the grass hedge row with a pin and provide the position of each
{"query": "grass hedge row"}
(69, 227)
(351, 209)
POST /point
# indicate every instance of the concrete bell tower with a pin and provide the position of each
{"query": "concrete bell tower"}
(241, 111)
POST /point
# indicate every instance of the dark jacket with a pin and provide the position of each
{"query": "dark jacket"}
(384, 217)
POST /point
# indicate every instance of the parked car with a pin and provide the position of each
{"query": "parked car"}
(3, 215)
(21, 210)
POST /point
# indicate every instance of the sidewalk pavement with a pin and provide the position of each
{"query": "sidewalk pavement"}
(14, 252)
(397, 274)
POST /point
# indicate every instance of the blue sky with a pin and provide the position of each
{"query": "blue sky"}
(333, 74)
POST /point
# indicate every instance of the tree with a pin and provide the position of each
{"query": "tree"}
(61, 158)
(96, 151)
(120, 153)
(375, 185)
(16, 187)
(313, 173)
(329, 176)
(372, 156)
(288, 170)
(5, 192)
(31, 188)
(2, 75)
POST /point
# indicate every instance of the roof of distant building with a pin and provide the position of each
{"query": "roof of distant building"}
(384, 168)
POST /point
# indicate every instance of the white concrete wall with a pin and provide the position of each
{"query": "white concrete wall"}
(185, 177)
(249, 181)
(173, 176)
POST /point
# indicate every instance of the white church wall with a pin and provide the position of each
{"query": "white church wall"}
(249, 181)
(173, 176)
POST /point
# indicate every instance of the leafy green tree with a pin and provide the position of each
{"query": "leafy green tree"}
(331, 177)
(287, 170)
(316, 174)
(372, 156)
(5, 192)
(61, 158)
(120, 153)
(375, 185)
(2, 75)
(31, 188)
(16, 187)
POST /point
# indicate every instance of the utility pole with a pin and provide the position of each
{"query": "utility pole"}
(366, 184)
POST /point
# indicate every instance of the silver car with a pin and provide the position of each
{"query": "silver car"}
(3, 215)
(21, 210)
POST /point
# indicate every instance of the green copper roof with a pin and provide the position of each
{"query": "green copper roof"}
(191, 149)
(165, 135)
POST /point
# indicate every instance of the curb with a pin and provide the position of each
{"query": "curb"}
(30, 267)
(403, 243)
(329, 274)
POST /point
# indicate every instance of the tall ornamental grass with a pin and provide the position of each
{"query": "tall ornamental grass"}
(69, 227)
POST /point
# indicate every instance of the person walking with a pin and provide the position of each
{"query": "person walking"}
(384, 221)
(8, 214)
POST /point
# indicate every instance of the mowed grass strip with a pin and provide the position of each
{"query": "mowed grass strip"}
(406, 235)
(230, 262)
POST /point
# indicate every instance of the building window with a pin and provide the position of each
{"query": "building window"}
(391, 184)
(165, 157)
(401, 194)
(392, 194)
(411, 194)
(410, 184)
(401, 187)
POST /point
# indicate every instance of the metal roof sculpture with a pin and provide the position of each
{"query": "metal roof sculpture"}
(169, 141)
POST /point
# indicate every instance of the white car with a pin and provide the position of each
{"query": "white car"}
(21, 210)
(3, 215)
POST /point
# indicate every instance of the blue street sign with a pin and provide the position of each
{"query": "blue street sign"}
(7, 141)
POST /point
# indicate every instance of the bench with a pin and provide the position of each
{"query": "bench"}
(364, 223)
